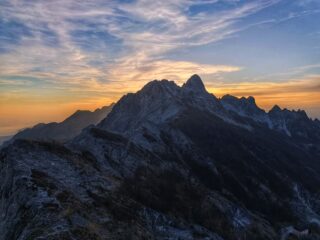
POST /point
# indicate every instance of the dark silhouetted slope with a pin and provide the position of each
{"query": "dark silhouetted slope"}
(66, 130)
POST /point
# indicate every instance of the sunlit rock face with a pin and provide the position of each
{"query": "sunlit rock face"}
(168, 162)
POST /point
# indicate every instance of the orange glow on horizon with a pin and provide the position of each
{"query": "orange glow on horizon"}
(19, 112)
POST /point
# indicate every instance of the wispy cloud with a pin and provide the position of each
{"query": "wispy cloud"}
(307, 84)
(79, 42)
(288, 75)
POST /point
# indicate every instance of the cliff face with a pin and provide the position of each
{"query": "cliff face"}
(168, 162)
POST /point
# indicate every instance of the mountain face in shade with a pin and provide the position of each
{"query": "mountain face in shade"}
(194, 84)
(4, 139)
(243, 106)
(157, 103)
(295, 124)
(168, 162)
(66, 130)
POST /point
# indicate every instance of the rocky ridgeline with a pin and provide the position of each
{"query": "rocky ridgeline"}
(168, 162)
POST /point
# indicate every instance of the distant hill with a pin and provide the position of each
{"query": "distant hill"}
(67, 129)
(4, 138)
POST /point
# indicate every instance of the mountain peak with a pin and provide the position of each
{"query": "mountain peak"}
(229, 97)
(302, 113)
(275, 108)
(156, 86)
(194, 83)
(251, 100)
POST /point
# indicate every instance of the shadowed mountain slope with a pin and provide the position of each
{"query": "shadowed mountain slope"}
(67, 129)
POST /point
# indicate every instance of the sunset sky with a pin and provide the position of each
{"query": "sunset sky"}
(57, 56)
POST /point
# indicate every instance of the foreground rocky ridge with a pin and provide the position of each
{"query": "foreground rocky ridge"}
(168, 162)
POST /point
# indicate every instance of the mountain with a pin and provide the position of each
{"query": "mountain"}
(67, 129)
(295, 124)
(168, 162)
(245, 107)
(4, 139)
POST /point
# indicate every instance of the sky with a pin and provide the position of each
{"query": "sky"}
(58, 56)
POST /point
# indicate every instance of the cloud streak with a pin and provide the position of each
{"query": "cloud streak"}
(78, 41)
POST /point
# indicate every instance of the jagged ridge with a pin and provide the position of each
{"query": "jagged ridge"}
(167, 162)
